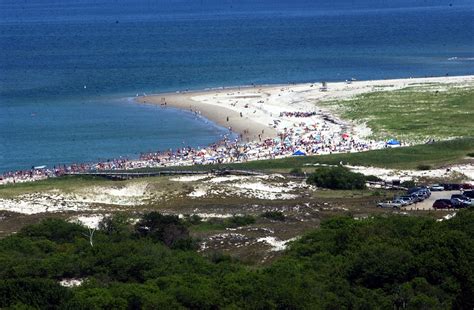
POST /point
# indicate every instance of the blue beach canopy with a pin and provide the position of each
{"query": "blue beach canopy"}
(393, 142)
(299, 153)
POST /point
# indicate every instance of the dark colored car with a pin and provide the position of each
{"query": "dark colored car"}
(421, 192)
(469, 194)
(461, 200)
(459, 196)
(413, 190)
(419, 196)
(467, 186)
(452, 186)
(442, 204)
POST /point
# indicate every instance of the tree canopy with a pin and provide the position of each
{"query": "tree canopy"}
(397, 262)
(337, 178)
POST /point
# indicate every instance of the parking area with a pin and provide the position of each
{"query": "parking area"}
(427, 204)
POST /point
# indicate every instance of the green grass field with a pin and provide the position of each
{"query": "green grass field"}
(414, 113)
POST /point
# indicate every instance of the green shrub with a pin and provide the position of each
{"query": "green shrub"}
(470, 154)
(423, 167)
(337, 178)
(382, 262)
(238, 221)
(274, 215)
(296, 172)
(55, 230)
(221, 224)
(408, 184)
(193, 219)
(373, 178)
(116, 225)
(168, 229)
(376, 194)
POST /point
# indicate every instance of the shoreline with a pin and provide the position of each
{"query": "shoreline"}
(251, 110)
(247, 128)
(273, 121)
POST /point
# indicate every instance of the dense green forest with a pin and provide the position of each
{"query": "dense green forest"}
(392, 262)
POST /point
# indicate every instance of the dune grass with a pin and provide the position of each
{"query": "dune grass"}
(65, 184)
(414, 113)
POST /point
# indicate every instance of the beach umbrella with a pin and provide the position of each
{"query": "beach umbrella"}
(299, 153)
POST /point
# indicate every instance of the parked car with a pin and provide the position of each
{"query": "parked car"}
(408, 199)
(416, 198)
(425, 191)
(462, 198)
(421, 196)
(389, 204)
(413, 190)
(420, 191)
(442, 204)
(451, 187)
(436, 188)
(402, 202)
(467, 186)
(458, 203)
(469, 194)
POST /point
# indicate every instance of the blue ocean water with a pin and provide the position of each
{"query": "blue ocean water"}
(51, 49)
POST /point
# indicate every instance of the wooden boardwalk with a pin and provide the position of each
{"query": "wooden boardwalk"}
(134, 175)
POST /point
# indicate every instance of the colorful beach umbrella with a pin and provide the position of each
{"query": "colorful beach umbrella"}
(299, 153)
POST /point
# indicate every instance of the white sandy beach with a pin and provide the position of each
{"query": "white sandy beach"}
(260, 106)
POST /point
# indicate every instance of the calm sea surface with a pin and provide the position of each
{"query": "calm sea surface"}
(67, 68)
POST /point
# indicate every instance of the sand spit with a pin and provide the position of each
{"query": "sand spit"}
(253, 110)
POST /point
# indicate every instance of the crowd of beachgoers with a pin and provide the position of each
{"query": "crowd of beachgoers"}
(298, 114)
(298, 140)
